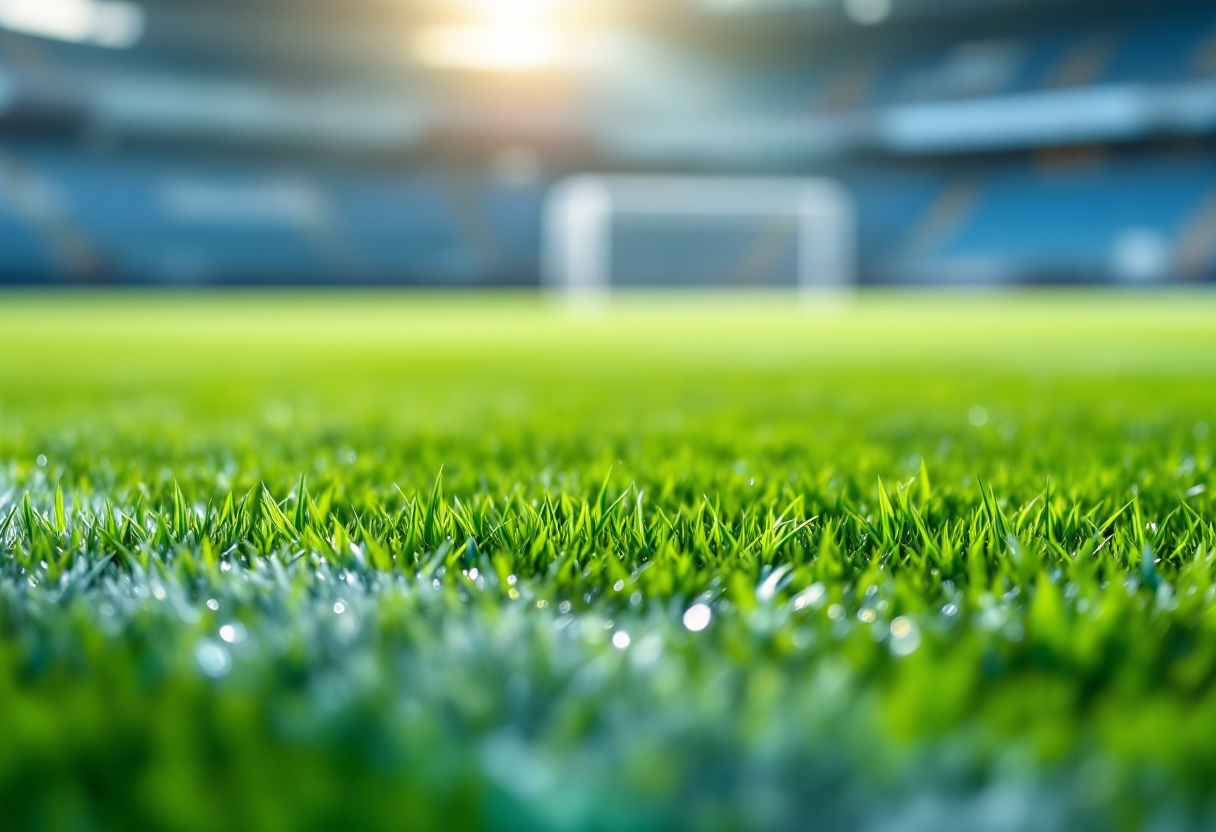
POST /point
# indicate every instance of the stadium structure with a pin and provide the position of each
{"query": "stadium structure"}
(385, 141)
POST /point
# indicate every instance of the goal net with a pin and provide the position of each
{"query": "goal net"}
(669, 231)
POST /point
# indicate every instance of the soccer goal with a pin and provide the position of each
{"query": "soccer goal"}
(603, 232)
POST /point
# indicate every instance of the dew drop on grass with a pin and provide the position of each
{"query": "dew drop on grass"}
(812, 596)
(696, 617)
(618, 586)
(620, 639)
(212, 659)
(41, 460)
(905, 637)
(233, 633)
(213, 604)
(339, 607)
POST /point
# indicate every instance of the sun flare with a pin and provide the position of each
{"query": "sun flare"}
(495, 36)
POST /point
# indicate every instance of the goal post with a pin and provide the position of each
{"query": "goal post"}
(584, 213)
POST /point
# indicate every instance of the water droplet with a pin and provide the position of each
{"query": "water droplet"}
(812, 596)
(866, 615)
(618, 586)
(339, 607)
(950, 609)
(213, 604)
(620, 639)
(473, 573)
(696, 617)
(835, 612)
(233, 633)
(768, 587)
(564, 606)
(513, 594)
(511, 579)
(905, 637)
(212, 659)
(41, 460)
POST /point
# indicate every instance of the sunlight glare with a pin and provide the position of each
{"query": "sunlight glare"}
(496, 36)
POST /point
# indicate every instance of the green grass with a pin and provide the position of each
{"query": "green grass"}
(376, 561)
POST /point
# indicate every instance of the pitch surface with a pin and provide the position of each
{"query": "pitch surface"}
(318, 561)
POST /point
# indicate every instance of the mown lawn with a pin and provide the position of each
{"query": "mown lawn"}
(320, 561)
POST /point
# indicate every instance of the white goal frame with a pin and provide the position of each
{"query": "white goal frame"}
(579, 210)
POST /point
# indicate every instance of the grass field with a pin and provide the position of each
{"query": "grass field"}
(387, 561)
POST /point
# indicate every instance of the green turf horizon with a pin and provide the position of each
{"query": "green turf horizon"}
(953, 553)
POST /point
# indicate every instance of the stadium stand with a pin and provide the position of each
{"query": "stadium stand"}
(985, 142)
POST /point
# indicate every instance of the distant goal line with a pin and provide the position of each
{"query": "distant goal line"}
(800, 229)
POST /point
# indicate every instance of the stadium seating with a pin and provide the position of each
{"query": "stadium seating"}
(1023, 222)
(1019, 220)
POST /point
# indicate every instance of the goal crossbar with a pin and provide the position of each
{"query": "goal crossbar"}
(580, 210)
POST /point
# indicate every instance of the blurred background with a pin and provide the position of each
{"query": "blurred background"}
(422, 142)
